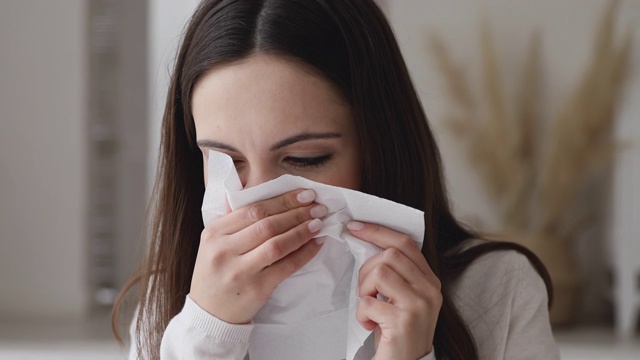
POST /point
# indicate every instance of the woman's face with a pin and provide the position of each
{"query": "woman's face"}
(274, 117)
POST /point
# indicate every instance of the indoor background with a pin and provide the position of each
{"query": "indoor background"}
(82, 86)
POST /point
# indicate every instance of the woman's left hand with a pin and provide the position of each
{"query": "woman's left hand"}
(404, 325)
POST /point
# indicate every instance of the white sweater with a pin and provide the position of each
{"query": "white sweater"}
(501, 297)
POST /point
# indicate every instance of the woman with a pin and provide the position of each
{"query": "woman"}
(317, 88)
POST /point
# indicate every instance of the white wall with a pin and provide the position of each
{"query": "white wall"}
(130, 110)
(625, 210)
(567, 28)
(42, 159)
(167, 19)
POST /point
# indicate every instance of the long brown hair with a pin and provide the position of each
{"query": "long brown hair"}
(352, 45)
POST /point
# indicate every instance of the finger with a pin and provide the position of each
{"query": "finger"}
(226, 203)
(280, 270)
(373, 312)
(257, 233)
(276, 248)
(399, 263)
(387, 238)
(245, 216)
(387, 282)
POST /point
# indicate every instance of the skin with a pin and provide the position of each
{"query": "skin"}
(274, 116)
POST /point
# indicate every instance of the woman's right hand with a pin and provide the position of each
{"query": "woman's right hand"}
(247, 253)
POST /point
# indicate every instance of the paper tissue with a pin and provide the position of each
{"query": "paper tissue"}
(311, 315)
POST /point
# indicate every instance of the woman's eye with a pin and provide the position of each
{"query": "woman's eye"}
(306, 162)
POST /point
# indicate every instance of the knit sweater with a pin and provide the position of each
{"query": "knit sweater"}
(500, 296)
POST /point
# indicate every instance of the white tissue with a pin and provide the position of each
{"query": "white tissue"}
(311, 315)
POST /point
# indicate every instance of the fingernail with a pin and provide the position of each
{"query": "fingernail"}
(315, 225)
(306, 196)
(320, 240)
(318, 211)
(355, 225)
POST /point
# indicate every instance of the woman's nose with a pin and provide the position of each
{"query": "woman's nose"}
(254, 177)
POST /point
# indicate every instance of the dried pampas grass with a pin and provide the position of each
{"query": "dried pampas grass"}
(536, 187)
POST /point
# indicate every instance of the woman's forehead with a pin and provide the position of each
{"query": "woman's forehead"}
(270, 93)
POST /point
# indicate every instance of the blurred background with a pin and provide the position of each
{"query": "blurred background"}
(82, 90)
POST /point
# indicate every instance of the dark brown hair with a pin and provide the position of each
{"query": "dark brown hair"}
(351, 44)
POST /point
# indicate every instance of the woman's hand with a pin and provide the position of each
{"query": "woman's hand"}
(244, 255)
(404, 325)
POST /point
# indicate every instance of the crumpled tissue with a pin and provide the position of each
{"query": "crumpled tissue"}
(311, 315)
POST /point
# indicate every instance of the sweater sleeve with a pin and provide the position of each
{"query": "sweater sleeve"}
(529, 332)
(196, 334)
(504, 303)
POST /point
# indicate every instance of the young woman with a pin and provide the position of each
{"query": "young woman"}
(319, 89)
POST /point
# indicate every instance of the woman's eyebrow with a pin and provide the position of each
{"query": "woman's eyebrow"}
(215, 144)
(303, 137)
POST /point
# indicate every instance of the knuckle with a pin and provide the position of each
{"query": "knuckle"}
(382, 272)
(205, 235)
(302, 215)
(216, 259)
(273, 251)
(406, 241)
(366, 301)
(289, 201)
(302, 233)
(437, 284)
(211, 245)
(434, 297)
(437, 298)
(257, 212)
(208, 233)
(392, 254)
(265, 228)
